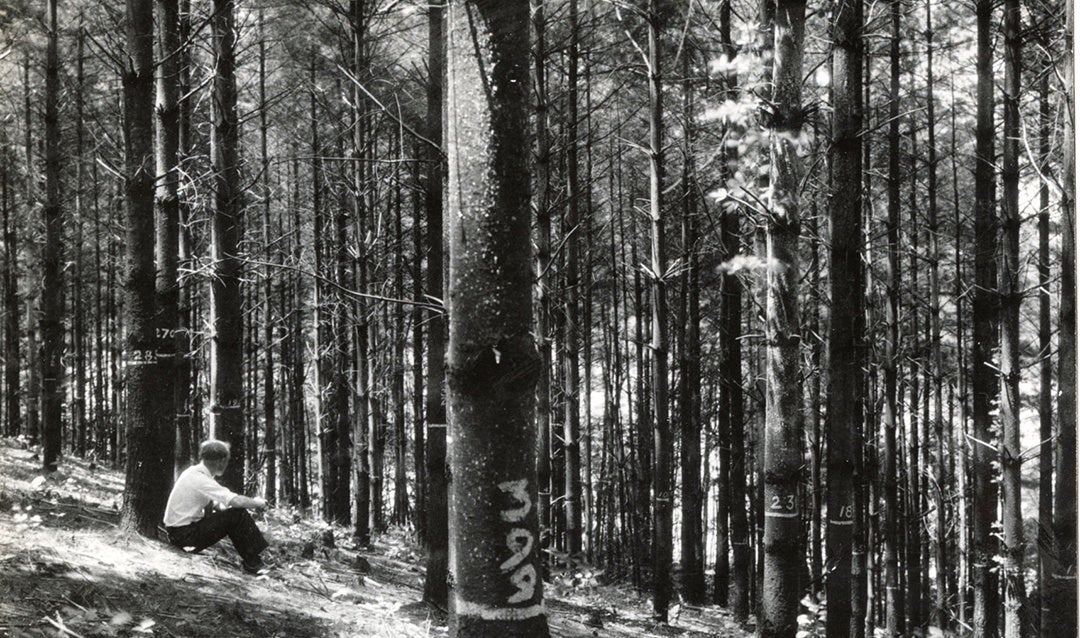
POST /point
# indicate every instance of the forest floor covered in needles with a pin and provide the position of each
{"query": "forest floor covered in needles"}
(67, 569)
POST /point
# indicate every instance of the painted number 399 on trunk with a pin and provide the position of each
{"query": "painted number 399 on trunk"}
(519, 541)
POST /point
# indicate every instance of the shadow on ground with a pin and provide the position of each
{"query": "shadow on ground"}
(99, 602)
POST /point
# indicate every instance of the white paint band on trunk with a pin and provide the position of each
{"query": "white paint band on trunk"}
(464, 607)
(782, 514)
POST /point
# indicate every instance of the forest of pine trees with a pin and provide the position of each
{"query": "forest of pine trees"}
(765, 304)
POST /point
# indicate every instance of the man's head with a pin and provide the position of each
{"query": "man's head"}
(214, 455)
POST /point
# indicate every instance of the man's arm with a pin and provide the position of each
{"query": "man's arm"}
(244, 502)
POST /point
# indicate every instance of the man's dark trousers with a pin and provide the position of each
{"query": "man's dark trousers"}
(235, 523)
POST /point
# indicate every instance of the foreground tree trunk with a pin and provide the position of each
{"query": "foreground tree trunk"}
(226, 347)
(492, 362)
(847, 317)
(143, 497)
(783, 540)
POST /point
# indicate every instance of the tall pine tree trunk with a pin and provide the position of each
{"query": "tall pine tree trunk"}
(847, 383)
(144, 502)
(692, 537)
(542, 170)
(1011, 297)
(1065, 460)
(783, 459)
(985, 317)
(492, 360)
(1046, 373)
(167, 226)
(435, 589)
(572, 327)
(662, 492)
(52, 291)
(893, 610)
(269, 387)
(937, 372)
(730, 408)
(226, 346)
(12, 355)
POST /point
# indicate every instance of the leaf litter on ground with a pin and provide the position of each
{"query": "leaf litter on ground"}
(68, 569)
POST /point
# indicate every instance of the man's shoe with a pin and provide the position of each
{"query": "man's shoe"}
(255, 567)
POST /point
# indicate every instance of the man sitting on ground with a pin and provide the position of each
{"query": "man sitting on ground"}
(193, 527)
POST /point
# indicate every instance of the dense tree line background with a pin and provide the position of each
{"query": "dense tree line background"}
(800, 292)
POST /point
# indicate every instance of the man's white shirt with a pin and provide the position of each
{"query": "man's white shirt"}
(193, 491)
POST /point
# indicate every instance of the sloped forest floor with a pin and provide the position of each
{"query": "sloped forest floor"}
(68, 570)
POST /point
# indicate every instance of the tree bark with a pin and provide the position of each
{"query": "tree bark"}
(1046, 373)
(226, 316)
(52, 290)
(572, 328)
(144, 502)
(167, 229)
(270, 452)
(894, 620)
(436, 470)
(692, 537)
(1065, 460)
(985, 317)
(730, 425)
(492, 360)
(542, 170)
(662, 492)
(1011, 297)
(939, 618)
(847, 383)
(783, 540)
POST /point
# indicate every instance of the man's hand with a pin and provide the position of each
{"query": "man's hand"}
(245, 502)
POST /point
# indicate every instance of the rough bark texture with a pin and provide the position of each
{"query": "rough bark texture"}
(52, 289)
(269, 387)
(1065, 461)
(572, 318)
(143, 502)
(730, 418)
(167, 229)
(492, 362)
(783, 539)
(435, 590)
(1046, 375)
(934, 231)
(356, 453)
(226, 318)
(692, 536)
(1011, 296)
(662, 437)
(847, 318)
(985, 318)
(542, 177)
(11, 318)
